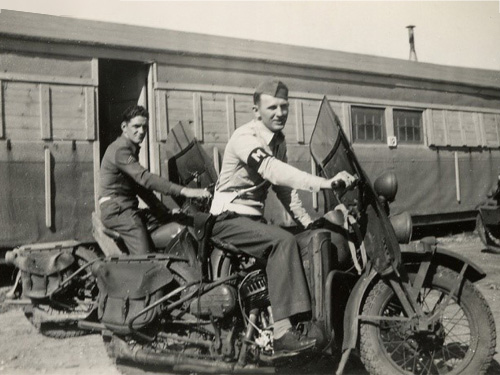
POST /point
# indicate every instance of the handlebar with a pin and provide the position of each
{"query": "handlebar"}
(338, 185)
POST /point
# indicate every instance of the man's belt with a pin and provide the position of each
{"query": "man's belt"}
(229, 201)
(243, 209)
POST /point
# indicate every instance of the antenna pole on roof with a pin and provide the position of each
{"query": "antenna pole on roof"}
(413, 53)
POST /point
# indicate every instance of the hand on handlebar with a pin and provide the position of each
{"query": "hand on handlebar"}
(341, 181)
(195, 193)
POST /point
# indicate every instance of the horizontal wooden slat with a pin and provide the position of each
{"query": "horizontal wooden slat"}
(313, 96)
(47, 79)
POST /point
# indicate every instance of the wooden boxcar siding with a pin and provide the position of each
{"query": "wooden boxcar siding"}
(48, 124)
(453, 123)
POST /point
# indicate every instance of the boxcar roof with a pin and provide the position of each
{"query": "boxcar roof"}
(33, 26)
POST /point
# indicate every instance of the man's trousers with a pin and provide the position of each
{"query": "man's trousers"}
(278, 250)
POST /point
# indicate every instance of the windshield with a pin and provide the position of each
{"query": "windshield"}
(332, 153)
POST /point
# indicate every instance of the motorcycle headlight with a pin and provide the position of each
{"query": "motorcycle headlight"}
(403, 226)
(386, 186)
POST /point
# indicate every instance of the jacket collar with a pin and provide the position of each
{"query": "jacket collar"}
(266, 134)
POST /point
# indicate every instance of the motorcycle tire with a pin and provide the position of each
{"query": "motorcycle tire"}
(58, 323)
(392, 347)
(488, 235)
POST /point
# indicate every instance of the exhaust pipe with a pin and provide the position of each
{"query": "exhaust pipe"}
(179, 362)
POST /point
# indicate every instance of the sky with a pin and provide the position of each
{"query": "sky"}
(458, 33)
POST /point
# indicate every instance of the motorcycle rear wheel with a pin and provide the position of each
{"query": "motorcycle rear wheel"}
(463, 342)
(60, 323)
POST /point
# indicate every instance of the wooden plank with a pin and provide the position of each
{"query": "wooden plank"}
(48, 188)
(2, 120)
(313, 96)
(154, 147)
(299, 121)
(389, 123)
(314, 172)
(90, 113)
(97, 166)
(346, 121)
(94, 71)
(453, 129)
(45, 125)
(470, 129)
(162, 122)
(68, 107)
(198, 116)
(231, 115)
(426, 126)
(214, 115)
(490, 130)
(36, 78)
(478, 128)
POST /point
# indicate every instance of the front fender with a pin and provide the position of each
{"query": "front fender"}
(353, 308)
(448, 259)
(441, 256)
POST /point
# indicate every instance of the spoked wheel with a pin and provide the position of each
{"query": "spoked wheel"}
(489, 236)
(77, 302)
(462, 341)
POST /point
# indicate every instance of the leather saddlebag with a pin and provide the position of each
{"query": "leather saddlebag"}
(126, 288)
(43, 267)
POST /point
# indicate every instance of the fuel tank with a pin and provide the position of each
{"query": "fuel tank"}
(163, 235)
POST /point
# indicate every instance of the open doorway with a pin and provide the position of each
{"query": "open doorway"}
(121, 84)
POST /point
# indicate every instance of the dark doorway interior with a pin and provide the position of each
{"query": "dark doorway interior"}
(121, 84)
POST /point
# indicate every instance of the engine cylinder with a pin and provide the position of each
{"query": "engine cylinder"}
(254, 291)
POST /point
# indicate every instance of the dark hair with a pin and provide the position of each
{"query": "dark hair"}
(134, 111)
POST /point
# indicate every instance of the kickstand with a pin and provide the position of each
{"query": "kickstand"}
(10, 294)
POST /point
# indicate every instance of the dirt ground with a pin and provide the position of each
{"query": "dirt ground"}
(25, 352)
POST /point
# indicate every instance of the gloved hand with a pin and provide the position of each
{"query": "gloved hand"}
(342, 180)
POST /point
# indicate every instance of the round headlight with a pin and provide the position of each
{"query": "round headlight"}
(403, 226)
(386, 186)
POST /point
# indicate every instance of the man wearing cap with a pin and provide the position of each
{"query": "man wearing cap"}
(254, 160)
(122, 179)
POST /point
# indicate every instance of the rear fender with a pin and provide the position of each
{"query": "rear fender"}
(441, 256)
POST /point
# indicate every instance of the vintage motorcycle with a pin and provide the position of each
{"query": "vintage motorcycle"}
(200, 305)
(488, 219)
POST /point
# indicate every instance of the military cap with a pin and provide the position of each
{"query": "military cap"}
(273, 87)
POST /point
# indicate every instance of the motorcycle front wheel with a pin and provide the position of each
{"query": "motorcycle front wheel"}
(461, 342)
